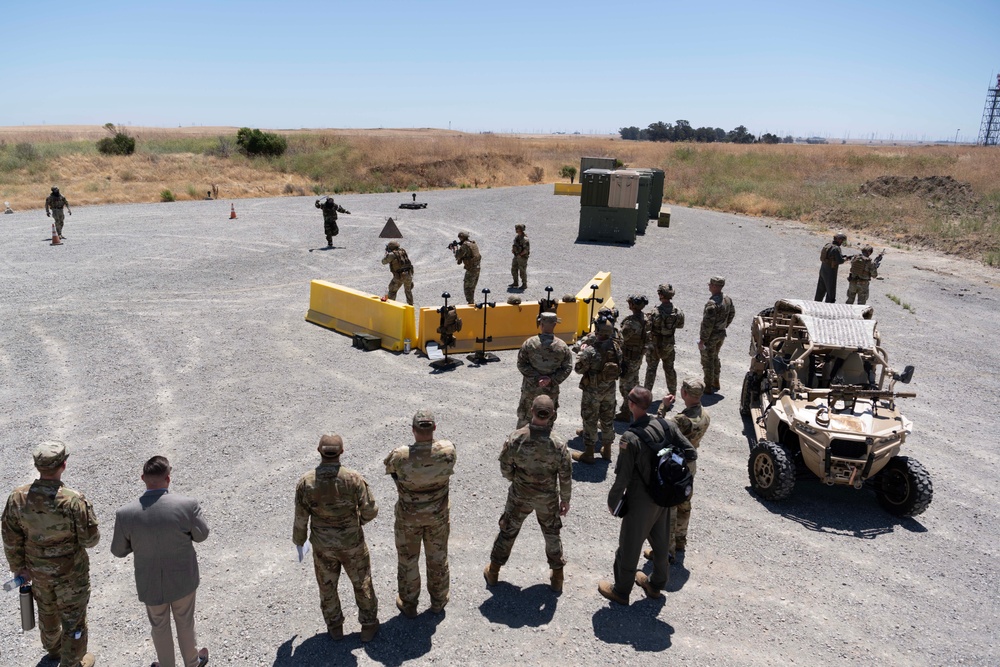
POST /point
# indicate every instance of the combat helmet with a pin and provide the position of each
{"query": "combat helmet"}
(55, 190)
(638, 300)
(666, 291)
(392, 245)
(463, 234)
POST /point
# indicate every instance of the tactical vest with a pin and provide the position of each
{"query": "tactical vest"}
(471, 257)
(664, 320)
(520, 246)
(608, 367)
(400, 262)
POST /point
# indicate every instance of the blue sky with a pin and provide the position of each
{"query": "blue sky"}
(904, 70)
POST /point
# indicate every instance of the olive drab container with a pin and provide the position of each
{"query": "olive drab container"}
(27, 608)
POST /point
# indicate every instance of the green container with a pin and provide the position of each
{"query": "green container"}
(656, 194)
(601, 224)
(642, 201)
(595, 185)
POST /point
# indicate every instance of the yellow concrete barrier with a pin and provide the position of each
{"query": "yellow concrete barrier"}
(603, 282)
(350, 311)
(509, 325)
(572, 189)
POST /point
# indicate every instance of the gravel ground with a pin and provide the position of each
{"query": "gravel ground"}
(169, 329)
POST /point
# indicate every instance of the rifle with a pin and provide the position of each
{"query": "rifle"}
(878, 260)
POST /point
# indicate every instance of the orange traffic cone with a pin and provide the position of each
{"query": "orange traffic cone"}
(232, 211)
(55, 237)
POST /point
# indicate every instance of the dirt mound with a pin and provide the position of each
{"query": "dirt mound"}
(938, 189)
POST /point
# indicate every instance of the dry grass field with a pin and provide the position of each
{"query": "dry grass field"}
(819, 184)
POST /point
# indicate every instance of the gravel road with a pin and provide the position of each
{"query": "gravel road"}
(169, 329)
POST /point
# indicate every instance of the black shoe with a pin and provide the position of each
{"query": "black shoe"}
(512, 286)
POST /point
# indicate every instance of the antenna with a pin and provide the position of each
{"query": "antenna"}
(989, 130)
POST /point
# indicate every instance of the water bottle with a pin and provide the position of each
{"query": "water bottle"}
(406, 346)
(27, 609)
(16, 582)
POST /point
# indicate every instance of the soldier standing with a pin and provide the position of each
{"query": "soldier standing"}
(545, 362)
(830, 258)
(538, 465)
(467, 254)
(664, 320)
(47, 528)
(635, 335)
(692, 422)
(337, 502)
(422, 472)
(402, 271)
(330, 209)
(718, 315)
(54, 205)
(863, 270)
(519, 265)
(645, 519)
(600, 365)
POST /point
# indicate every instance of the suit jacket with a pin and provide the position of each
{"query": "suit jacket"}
(160, 528)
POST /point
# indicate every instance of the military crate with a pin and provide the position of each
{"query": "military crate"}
(594, 187)
(367, 342)
(624, 189)
(642, 201)
(656, 193)
(602, 224)
(586, 163)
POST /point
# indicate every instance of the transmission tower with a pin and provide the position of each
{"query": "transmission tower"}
(989, 131)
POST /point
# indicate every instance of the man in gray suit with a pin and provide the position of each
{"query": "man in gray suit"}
(160, 529)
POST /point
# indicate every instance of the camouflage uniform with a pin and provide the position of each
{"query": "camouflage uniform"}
(521, 248)
(692, 422)
(540, 356)
(863, 270)
(540, 470)
(47, 528)
(830, 257)
(663, 321)
(338, 502)
(55, 203)
(635, 335)
(468, 255)
(330, 210)
(600, 365)
(402, 272)
(422, 472)
(718, 315)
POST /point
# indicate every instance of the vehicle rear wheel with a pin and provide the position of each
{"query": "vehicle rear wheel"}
(767, 312)
(772, 472)
(749, 393)
(903, 487)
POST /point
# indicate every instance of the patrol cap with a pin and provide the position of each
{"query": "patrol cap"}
(548, 317)
(330, 446)
(50, 454)
(519, 227)
(462, 234)
(666, 290)
(717, 280)
(423, 419)
(693, 386)
(543, 407)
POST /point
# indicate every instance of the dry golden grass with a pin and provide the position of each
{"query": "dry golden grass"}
(818, 184)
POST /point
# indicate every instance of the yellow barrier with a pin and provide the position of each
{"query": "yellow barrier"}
(572, 189)
(509, 325)
(603, 282)
(350, 311)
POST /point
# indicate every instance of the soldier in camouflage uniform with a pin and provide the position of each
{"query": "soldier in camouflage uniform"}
(635, 336)
(330, 209)
(663, 321)
(692, 422)
(600, 365)
(519, 265)
(538, 465)
(830, 259)
(337, 501)
(402, 271)
(47, 528)
(467, 254)
(863, 270)
(54, 205)
(718, 315)
(545, 362)
(422, 472)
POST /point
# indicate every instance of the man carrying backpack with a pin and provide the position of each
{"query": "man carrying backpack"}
(646, 518)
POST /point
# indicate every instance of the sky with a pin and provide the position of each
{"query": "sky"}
(889, 69)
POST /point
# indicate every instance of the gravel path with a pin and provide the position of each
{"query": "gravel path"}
(169, 329)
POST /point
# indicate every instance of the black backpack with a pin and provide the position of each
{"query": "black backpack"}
(670, 481)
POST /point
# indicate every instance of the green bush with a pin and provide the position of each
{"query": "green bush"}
(568, 171)
(119, 143)
(254, 142)
(167, 196)
(26, 152)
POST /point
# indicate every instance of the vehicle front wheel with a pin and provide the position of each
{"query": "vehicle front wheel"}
(772, 472)
(903, 487)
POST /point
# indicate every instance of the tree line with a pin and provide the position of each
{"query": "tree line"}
(681, 130)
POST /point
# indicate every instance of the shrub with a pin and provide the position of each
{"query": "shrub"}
(536, 174)
(26, 152)
(568, 171)
(119, 143)
(167, 196)
(254, 142)
(224, 148)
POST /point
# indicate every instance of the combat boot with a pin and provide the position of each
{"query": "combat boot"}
(607, 589)
(623, 416)
(606, 450)
(556, 580)
(586, 456)
(579, 431)
(88, 660)
(336, 631)
(368, 631)
(492, 574)
(652, 592)
(409, 610)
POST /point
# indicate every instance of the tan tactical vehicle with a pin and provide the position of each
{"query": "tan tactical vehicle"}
(820, 393)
